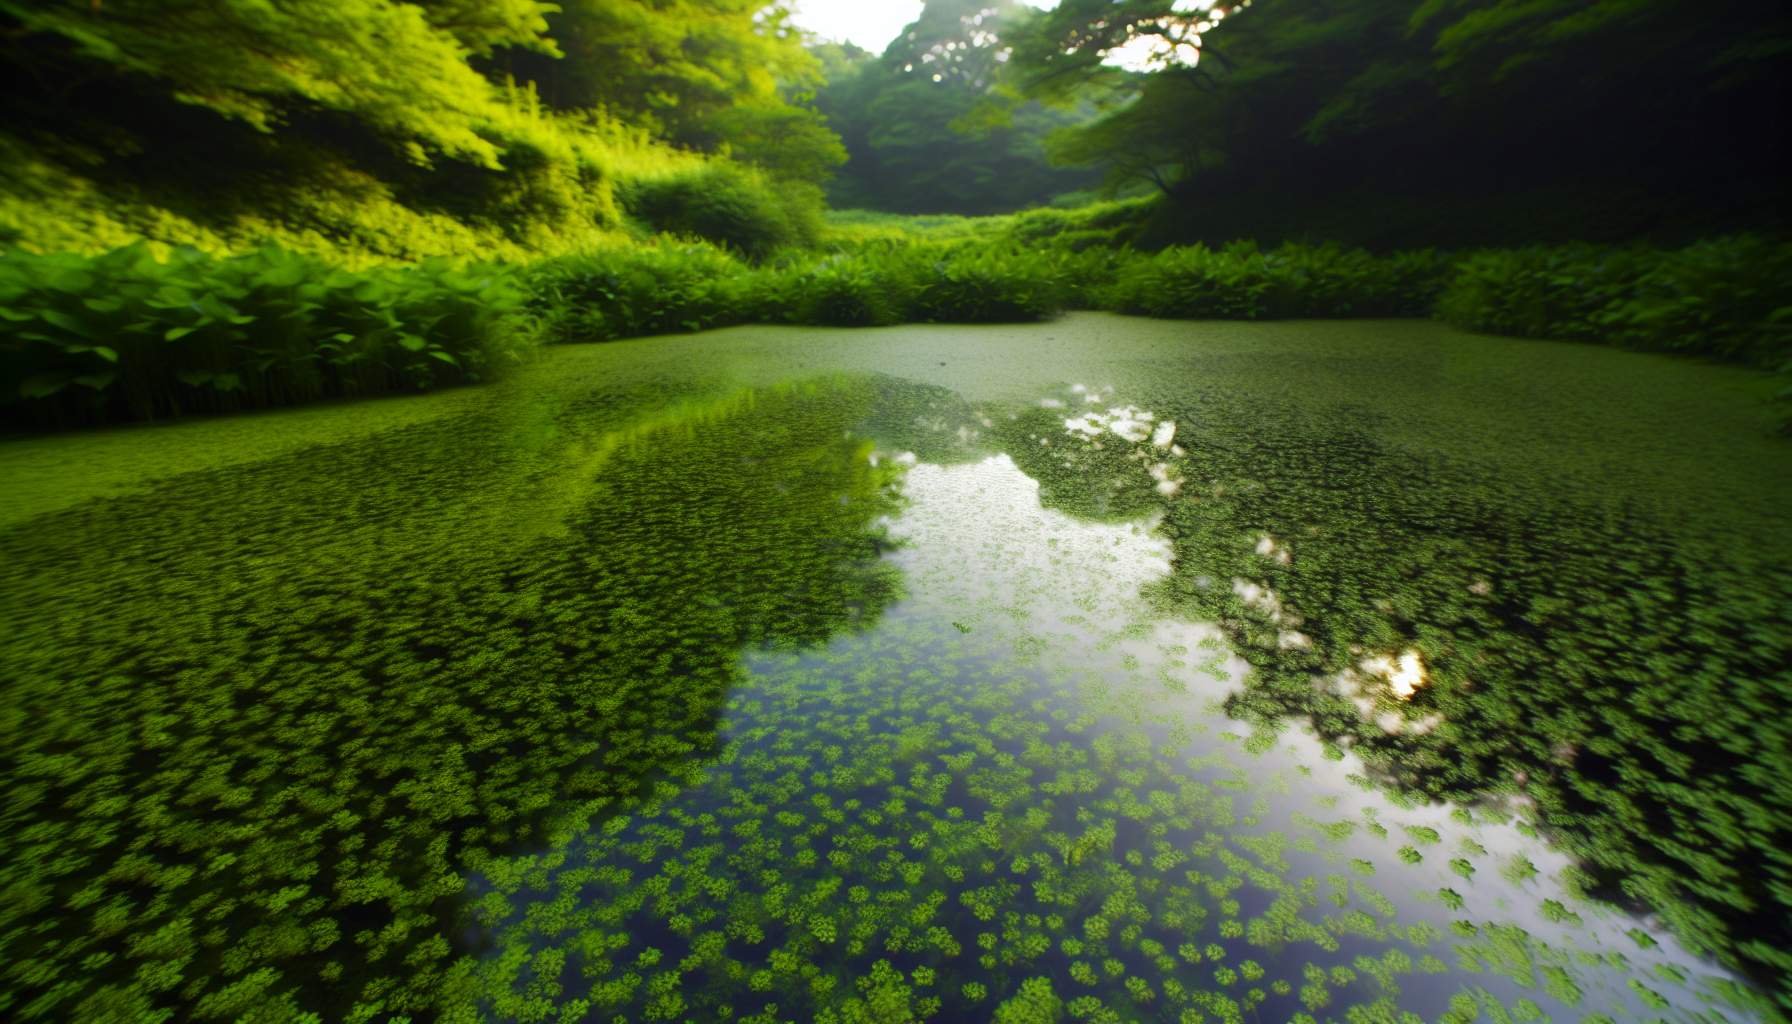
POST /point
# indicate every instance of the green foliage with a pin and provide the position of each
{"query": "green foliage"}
(1723, 299)
(641, 290)
(914, 125)
(711, 75)
(1396, 123)
(983, 286)
(464, 644)
(400, 68)
(373, 128)
(1034, 1003)
(625, 293)
(125, 335)
(728, 205)
(1242, 282)
(1113, 224)
(945, 282)
(848, 292)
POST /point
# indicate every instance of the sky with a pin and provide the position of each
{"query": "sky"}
(873, 23)
(869, 23)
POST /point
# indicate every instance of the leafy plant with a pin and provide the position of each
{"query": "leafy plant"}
(726, 204)
(127, 335)
(1722, 299)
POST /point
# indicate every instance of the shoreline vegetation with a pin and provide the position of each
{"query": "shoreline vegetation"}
(137, 334)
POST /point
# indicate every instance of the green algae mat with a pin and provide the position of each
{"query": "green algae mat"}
(1099, 670)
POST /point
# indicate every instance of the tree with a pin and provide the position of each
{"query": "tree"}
(789, 142)
(913, 119)
(389, 126)
(1065, 49)
(709, 75)
(398, 67)
(1402, 121)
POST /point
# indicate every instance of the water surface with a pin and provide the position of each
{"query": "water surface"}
(1149, 671)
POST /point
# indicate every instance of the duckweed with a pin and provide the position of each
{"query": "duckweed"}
(849, 700)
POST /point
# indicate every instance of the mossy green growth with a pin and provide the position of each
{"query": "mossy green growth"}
(342, 716)
(605, 700)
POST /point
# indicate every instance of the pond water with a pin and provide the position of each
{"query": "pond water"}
(1104, 670)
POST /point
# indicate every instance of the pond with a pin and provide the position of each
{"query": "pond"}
(1102, 669)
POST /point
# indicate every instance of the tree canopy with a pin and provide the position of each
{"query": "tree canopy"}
(401, 125)
(705, 74)
(1616, 117)
(911, 118)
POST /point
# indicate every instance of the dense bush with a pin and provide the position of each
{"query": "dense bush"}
(125, 335)
(729, 205)
(1111, 224)
(844, 291)
(671, 288)
(128, 336)
(1241, 282)
(631, 292)
(1724, 298)
(978, 285)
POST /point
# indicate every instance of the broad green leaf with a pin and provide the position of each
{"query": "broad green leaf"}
(43, 385)
(62, 320)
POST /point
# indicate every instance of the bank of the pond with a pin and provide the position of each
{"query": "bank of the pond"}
(88, 340)
(298, 727)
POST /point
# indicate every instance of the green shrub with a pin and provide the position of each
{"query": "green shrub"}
(1240, 282)
(880, 283)
(982, 285)
(1114, 224)
(127, 336)
(1085, 276)
(729, 205)
(1329, 281)
(1538, 292)
(629, 293)
(846, 292)
(1724, 298)
(1191, 283)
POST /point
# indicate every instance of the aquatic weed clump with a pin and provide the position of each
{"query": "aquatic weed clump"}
(1620, 681)
(879, 838)
(262, 721)
(1614, 681)
(1001, 802)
